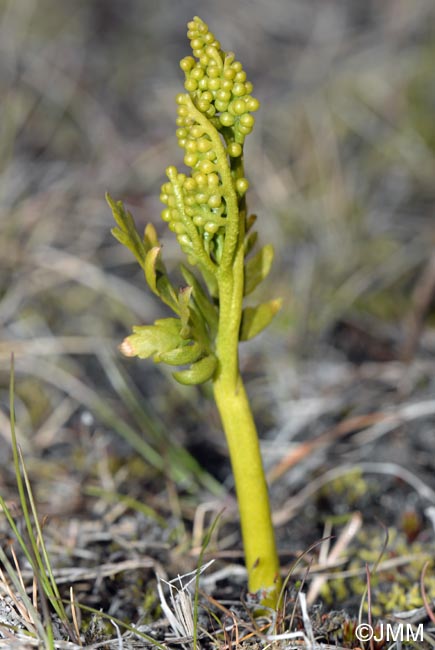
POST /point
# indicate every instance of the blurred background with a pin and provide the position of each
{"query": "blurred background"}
(342, 169)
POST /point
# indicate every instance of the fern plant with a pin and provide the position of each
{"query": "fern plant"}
(207, 211)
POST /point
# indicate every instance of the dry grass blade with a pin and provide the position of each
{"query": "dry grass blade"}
(109, 569)
(295, 503)
(369, 605)
(181, 613)
(307, 635)
(344, 539)
(22, 613)
(75, 613)
(93, 277)
(427, 607)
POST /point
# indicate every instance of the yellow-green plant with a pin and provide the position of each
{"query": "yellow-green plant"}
(207, 212)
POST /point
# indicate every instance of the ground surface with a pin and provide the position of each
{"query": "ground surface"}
(342, 166)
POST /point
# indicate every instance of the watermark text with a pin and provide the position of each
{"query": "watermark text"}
(389, 632)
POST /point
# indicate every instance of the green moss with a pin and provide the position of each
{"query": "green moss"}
(395, 585)
(352, 486)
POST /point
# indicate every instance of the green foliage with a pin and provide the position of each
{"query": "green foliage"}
(258, 268)
(27, 531)
(126, 232)
(206, 211)
(255, 319)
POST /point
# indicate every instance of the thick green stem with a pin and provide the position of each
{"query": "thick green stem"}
(261, 556)
(255, 517)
